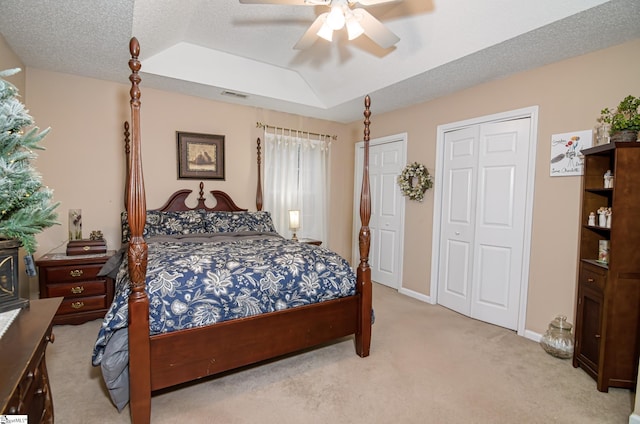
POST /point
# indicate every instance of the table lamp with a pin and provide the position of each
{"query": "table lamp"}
(294, 222)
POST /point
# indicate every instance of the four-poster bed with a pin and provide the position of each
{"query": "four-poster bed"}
(168, 358)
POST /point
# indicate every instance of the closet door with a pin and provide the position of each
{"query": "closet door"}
(458, 219)
(483, 218)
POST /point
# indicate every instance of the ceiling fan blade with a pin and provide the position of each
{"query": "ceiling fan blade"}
(374, 2)
(292, 2)
(310, 36)
(375, 30)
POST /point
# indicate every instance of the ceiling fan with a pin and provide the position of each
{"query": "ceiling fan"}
(357, 21)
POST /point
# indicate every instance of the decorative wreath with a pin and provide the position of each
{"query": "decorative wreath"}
(414, 181)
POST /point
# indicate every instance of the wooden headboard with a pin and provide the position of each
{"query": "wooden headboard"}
(176, 201)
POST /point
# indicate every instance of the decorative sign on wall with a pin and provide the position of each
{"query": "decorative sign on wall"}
(566, 152)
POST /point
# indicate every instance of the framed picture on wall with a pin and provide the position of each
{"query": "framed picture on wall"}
(200, 156)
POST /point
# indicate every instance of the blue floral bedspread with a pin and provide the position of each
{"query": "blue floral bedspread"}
(208, 278)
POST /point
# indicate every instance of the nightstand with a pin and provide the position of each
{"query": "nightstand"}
(86, 296)
(310, 241)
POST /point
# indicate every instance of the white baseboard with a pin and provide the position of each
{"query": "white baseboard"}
(528, 334)
(428, 299)
(634, 418)
(416, 295)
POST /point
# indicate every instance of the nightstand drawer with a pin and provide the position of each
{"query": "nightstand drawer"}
(82, 304)
(77, 289)
(61, 274)
(592, 276)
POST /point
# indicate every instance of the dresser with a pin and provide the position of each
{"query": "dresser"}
(24, 382)
(75, 278)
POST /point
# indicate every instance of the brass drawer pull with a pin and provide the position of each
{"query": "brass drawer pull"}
(590, 280)
(77, 305)
(77, 290)
(76, 273)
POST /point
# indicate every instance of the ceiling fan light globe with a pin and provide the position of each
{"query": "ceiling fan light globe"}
(325, 32)
(336, 19)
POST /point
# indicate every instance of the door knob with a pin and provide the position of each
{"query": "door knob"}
(457, 233)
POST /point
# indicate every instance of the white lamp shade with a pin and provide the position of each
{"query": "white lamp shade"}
(294, 219)
(354, 29)
(325, 32)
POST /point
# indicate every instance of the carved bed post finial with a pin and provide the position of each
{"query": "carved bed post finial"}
(259, 189)
(127, 151)
(201, 204)
(136, 202)
(139, 345)
(363, 337)
(365, 197)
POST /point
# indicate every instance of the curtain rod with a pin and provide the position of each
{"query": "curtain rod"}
(261, 125)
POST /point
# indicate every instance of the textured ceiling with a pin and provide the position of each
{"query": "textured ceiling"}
(204, 48)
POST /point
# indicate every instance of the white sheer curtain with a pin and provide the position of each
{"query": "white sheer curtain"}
(296, 176)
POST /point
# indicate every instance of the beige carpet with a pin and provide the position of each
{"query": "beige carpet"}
(427, 365)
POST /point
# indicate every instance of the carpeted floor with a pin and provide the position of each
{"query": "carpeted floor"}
(427, 365)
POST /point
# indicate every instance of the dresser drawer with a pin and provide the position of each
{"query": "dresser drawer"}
(30, 396)
(24, 400)
(77, 289)
(59, 274)
(82, 304)
(592, 276)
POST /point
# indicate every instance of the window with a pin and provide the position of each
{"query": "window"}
(296, 176)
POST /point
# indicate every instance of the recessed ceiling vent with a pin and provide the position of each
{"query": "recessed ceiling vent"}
(234, 94)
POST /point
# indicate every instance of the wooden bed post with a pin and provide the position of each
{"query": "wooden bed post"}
(139, 345)
(259, 189)
(363, 336)
(127, 152)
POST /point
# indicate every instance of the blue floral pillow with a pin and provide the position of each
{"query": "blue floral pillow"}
(167, 223)
(229, 222)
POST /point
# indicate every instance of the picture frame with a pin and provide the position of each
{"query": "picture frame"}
(200, 156)
(566, 152)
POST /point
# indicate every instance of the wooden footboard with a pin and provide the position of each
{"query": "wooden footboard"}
(195, 353)
(166, 360)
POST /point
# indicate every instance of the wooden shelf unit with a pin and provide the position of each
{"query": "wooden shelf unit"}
(608, 294)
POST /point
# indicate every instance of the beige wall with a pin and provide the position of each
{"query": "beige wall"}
(84, 160)
(570, 95)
